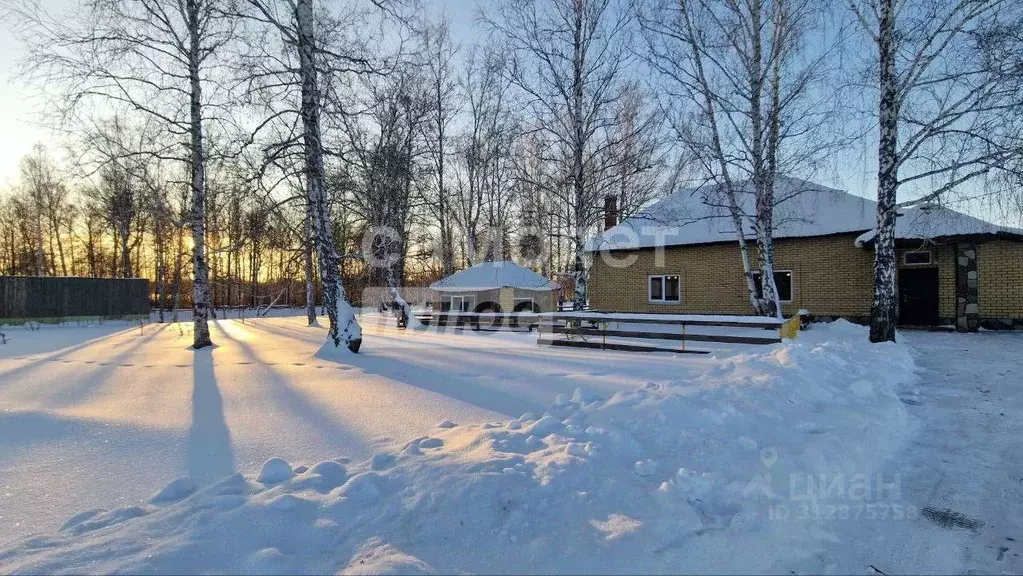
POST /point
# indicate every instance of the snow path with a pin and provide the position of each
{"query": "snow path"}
(963, 468)
(103, 416)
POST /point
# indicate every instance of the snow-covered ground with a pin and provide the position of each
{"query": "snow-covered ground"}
(963, 469)
(82, 405)
(475, 452)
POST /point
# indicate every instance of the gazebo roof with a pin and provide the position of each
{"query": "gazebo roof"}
(494, 275)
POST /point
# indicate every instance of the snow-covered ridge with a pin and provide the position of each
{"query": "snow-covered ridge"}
(667, 478)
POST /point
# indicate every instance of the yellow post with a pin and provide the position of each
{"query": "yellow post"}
(790, 329)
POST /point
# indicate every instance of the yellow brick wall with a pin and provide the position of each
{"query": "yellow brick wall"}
(1000, 272)
(830, 277)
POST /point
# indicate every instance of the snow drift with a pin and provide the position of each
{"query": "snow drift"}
(694, 476)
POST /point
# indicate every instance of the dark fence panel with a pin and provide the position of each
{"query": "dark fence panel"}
(49, 298)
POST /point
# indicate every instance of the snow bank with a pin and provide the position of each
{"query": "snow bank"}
(667, 478)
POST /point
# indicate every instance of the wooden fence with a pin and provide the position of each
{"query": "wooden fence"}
(62, 299)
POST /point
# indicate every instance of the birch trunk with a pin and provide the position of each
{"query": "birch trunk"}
(471, 245)
(125, 255)
(883, 308)
(55, 226)
(176, 304)
(344, 328)
(161, 265)
(401, 308)
(763, 187)
(579, 275)
(40, 252)
(766, 202)
(310, 292)
(200, 290)
(447, 248)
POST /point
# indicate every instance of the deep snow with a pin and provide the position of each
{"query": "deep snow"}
(619, 462)
(105, 415)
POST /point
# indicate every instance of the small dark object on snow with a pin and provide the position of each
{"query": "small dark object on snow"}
(950, 518)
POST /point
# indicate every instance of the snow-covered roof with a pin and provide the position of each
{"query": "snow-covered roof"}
(700, 216)
(493, 275)
(932, 221)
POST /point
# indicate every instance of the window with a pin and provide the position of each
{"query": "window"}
(917, 258)
(782, 281)
(665, 289)
(523, 305)
(459, 304)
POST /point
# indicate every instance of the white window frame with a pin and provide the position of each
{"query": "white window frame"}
(462, 299)
(930, 258)
(649, 293)
(792, 285)
(517, 301)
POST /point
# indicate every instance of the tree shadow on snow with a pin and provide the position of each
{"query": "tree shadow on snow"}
(78, 390)
(307, 411)
(444, 383)
(55, 355)
(314, 335)
(414, 374)
(209, 452)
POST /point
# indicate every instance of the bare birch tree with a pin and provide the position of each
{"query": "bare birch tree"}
(948, 111)
(439, 52)
(386, 151)
(318, 46)
(483, 146)
(570, 60)
(41, 192)
(152, 57)
(743, 101)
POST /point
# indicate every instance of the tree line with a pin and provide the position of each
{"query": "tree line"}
(249, 152)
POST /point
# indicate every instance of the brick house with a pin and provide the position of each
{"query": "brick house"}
(681, 255)
(502, 286)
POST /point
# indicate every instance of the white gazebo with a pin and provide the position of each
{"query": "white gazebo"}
(502, 286)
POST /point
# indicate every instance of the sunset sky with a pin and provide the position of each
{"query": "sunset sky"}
(20, 105)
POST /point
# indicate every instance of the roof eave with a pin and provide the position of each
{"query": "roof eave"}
(998, 234)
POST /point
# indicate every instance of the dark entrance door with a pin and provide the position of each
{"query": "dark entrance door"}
(918, 296)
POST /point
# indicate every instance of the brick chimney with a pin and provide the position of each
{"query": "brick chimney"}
(610, 211)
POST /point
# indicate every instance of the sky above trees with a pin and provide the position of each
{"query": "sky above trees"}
(21, 124)
(21, 105)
